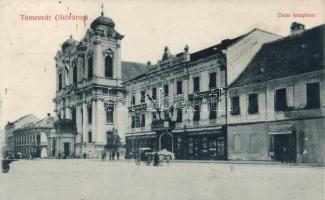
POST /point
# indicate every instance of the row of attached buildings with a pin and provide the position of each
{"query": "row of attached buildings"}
(245, 98)
(248, 98)
(28, 136)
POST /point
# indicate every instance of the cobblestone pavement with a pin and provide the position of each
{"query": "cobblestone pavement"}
(123, 180)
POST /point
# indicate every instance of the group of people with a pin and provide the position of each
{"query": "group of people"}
(287, 155)
(111, 155)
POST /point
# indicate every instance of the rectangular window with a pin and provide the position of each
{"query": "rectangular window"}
(236, 143)
(154, 116)
(166, 115)
(179, 87)
(90, 115)
(213, 110)
(196, 114)
(213, 80)
(313, 95)
(137, 119)
(90, 137)
(196, 84)
(143, 96)
(179, 117)
(252, 103)
(154, 93)
(110, 114)
(133, 99)
(280, 103)
(143, 120)
(166, 90)
(133, 122)
(235, 106)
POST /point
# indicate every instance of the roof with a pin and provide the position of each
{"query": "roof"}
(215, 48)
(285, 57)
(102, 20)
(131, 70)
(46, 122)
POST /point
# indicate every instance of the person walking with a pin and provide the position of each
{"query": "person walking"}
(156, 159)
(110, 155)
(113, 155)
(284, 155)
(118, 155)
(304, 156)
(103, 156)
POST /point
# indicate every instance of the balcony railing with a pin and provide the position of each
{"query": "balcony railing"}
(161, 125)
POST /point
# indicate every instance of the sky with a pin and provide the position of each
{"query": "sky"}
(27, 48)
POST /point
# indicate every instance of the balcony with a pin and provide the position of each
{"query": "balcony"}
(162, 125)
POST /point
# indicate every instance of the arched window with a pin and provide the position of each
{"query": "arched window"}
(108, 67)
(66, 75)
(90, 67)
(75, 74)
(60, 81)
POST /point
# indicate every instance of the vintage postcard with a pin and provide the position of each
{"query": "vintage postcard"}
(162, 99)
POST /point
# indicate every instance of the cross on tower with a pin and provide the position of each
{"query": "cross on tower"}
(102, 6)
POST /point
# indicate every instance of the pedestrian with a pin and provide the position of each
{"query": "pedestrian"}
(103, 156)
(284, 155)
(156, 159)
(113, 155)
(110, 155)
(118, 155)
(304, 154)
(84, 155)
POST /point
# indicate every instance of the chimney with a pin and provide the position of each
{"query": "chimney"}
(296, 28)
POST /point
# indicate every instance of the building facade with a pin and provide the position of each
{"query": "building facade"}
(31, 139)
(89, 97)
(179, 104)
(277, 103)
(10, 127)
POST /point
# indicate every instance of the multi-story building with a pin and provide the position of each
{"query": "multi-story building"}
(9, 132)
(89, 96)
(31, 138)
(179, 103)
(278, 102)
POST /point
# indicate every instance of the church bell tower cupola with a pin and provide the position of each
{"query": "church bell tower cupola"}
(107, 49)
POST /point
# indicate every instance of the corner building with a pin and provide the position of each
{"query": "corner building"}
(277, 103)
(89, 101)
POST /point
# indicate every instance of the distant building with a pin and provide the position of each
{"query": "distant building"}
(278, 101)
(194, 127)
(31, 139)
(9, 132)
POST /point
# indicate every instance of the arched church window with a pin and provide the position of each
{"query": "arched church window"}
(108, 67)
(60, 81)
(75, 74)
(90, 67)
(66, 75)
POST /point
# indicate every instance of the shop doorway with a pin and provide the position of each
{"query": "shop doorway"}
(285, 147)
(166, 142)
(66, 148)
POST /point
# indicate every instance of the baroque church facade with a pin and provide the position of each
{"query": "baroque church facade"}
(89, 101)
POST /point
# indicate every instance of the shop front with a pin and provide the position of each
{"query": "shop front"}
(282, 137)
(141, 140)
(200, 144)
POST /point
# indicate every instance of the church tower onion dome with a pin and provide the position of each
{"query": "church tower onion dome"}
(104, 21)
(68, 42)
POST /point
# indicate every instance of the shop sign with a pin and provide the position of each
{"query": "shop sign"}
(280, 129)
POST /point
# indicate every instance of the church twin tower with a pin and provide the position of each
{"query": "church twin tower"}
(89, 95)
